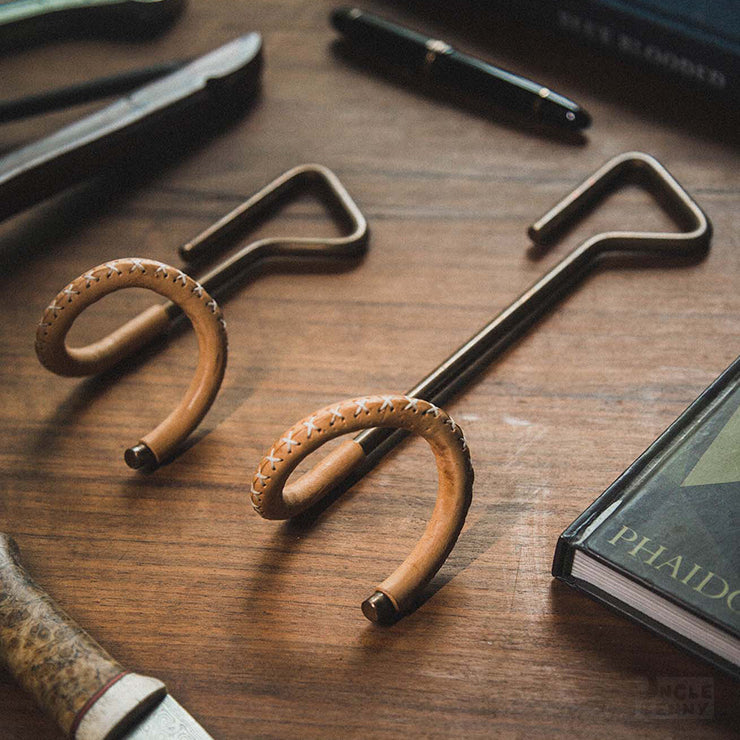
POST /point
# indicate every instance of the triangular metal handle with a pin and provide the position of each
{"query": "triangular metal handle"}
(511, 323)
(246, 216)
(638, 167)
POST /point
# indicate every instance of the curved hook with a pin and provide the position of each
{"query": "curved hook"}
(515, 320)
(272, 499)
(246, 215)
(154, 321)
(183, 291)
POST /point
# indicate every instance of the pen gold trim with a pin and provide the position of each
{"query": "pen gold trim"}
(438, 63)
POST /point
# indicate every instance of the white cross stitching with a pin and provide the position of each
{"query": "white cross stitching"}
(464, 443)
(136, 265)
(161, 270)
(253, 492)
(54, 309)
(182, 277)
(212, 305)
(198, 290)
(111, 269)
(433, 410)
(261, 477)
(310, 426)
(451, 422)
(413, 403)
(70, 292)
(290, 441)
(360, 405)
(273, 458)
(335, 414)
(387, 403)
(90, 279)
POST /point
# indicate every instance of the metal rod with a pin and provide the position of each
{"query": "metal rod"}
(243, 217)
(509, 325)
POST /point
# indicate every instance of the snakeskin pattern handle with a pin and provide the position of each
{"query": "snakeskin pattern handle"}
(273, 499)
(71, 677)
(169, 282)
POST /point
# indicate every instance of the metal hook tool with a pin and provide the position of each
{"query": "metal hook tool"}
(513, 322)
(273, 499)
(244, 217)
(154, 321)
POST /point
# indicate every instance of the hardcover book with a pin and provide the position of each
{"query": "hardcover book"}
(662, 543)
(693, 43)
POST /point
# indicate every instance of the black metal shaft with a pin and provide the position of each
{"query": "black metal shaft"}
(482, 348)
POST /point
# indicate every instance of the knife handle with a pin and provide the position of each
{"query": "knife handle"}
(72, 678)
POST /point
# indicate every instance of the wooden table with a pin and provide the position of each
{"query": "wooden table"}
(255, 626)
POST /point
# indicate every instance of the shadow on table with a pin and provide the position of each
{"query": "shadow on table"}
(603, 638)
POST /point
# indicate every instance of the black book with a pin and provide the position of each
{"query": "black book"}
(693, 43)
(662, 543)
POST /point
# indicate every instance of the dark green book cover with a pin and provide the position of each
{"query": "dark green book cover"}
(692, 43)
(662, 543)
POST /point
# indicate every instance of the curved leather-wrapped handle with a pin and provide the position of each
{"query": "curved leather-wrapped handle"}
(273, 499)
(71, 677)
(182, 290)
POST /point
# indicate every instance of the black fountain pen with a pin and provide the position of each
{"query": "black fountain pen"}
(438, 63)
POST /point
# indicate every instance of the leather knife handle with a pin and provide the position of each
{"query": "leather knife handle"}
(72, 678)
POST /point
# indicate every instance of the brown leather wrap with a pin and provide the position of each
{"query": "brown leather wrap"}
(273, 499)
(170, 282)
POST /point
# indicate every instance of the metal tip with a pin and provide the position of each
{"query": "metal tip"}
(379, 608)
(581, 119)
(140, 456)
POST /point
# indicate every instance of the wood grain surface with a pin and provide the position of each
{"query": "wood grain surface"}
(255, 626)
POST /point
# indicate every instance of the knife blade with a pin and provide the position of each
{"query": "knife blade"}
(74, 680)
(166, 106)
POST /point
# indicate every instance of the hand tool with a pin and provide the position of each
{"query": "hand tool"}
(23, 22)
(192, 298)
(84, 92)
(272, 499)
(73, 679)
(145, 118)
(515, 320)
(366, 449)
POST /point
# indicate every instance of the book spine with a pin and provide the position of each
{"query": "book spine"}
(605, 504)
(645, 40)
